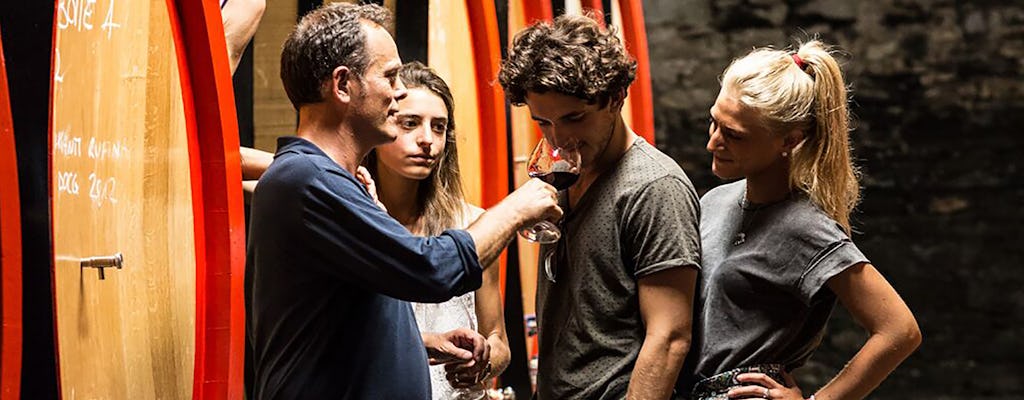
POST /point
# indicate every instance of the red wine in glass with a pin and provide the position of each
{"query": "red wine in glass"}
(559, 179)
(559, 168)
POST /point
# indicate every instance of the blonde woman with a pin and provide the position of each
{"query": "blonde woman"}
(777, 253)
(417, 181)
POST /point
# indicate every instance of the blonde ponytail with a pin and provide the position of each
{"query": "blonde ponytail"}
(805, 91)
(821, 166)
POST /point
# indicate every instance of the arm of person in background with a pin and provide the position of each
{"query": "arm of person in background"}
(491, 321)
(254, 164)
(240, 17)
(894, 335)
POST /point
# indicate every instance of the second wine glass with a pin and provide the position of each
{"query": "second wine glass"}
(559, 167)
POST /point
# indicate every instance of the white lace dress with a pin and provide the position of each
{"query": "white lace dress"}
(458, 312)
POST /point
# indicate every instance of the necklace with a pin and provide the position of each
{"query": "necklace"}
(745, 223)
(748, 220)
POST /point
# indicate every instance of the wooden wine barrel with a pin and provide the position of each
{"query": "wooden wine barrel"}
(146, 202)
(465, 49)
(524, 137)
(10, 249)
(628, 15)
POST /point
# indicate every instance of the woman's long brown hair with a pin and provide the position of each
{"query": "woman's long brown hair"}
(440, 199)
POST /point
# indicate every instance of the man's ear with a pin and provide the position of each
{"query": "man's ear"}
(617, 100)
(340, 88)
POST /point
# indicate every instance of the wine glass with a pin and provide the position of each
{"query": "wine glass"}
(559, 167)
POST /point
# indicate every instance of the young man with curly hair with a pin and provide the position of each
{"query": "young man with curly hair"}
(614, 302)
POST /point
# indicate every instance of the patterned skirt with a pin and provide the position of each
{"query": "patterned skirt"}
(716, 387)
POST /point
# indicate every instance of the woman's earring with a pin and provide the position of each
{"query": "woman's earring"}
(785, 154)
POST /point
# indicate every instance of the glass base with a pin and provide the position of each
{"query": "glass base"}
(542, 232)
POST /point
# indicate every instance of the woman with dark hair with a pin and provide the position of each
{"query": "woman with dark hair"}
(776, 245)
(417, 181)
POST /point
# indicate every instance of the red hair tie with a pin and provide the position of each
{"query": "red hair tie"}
(799, 61)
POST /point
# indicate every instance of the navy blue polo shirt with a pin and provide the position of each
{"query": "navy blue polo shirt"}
(332, 275)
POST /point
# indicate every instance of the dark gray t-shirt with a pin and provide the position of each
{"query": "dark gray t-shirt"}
(638, 218)
(762, 294)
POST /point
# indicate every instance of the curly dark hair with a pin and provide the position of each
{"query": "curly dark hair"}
(573, 56)
(324, 39)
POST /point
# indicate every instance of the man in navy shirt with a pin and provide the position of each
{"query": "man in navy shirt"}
(332, 272)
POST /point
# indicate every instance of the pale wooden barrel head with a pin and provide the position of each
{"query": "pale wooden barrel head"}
(524, 137)
(450, 53)
(121, 184)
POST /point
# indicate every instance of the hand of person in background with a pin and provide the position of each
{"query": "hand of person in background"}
(363, 175)
(462, 345)
(464, 375)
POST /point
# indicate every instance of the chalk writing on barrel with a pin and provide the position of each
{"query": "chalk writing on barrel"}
(67, 145)
(101, 189)
(108, 22)
(75, 13)
(104, 149)
(84, 16)
(78, 14)
(67, 182)
(58, 76)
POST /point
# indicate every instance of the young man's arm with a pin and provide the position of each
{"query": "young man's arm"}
(662, 225)
(665, 306)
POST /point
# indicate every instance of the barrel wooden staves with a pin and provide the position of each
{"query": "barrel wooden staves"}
(628, 16)
(146, 202)
(524, 137)
(10, 249)
(465, 49)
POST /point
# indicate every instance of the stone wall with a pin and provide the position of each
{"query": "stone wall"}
(938, 89)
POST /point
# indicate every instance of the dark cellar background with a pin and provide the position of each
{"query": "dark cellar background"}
(938, 92)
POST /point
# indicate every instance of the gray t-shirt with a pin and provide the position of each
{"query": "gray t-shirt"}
(762, 293)
(638, 218)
